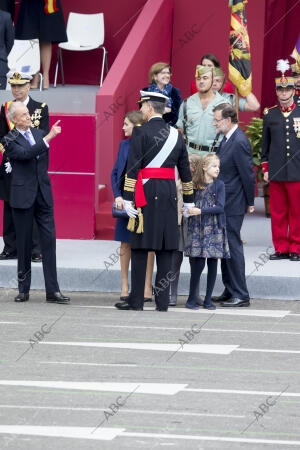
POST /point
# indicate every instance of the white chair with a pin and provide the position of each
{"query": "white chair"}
(25, 57)
(85, 32)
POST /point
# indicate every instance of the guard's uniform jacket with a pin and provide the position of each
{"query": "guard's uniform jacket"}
(280, 144)
(160, 213)
(39, 115)
(281, 159)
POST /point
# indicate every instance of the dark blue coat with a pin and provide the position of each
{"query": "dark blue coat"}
(119, 168)
(218, 190)
(6, 40)
(236, 171)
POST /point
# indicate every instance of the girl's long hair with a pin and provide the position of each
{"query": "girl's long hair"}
(198, 175)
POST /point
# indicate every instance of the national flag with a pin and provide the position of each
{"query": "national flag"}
(296, 55)
(50, 6)
(239, 53)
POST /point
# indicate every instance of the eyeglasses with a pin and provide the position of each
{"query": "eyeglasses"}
(218, 120)
(165, 72)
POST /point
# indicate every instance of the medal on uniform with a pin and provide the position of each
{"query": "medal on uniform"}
(297, 126)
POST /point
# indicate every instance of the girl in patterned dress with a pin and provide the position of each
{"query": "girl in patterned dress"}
(206, 239)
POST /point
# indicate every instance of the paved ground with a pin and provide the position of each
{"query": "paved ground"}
(86, 376)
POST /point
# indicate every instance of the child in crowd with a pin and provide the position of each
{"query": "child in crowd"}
(177, 255)
(206, 236)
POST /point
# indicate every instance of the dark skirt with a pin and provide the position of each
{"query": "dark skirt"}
(121, 232)
(34, 23)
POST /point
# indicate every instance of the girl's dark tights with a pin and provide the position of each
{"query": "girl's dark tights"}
(197, 266)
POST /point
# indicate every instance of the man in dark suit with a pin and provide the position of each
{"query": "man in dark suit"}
(20, 85)
(6, 44)
(31, 196)
(236, 171)
(155, 150)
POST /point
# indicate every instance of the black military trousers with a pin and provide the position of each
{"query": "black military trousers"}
(9, 233)
(23, 219)
(162, 280)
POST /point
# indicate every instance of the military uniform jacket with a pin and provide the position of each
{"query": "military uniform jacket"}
(280, 145)
(160, 213)
(39, 119)
(297, 97)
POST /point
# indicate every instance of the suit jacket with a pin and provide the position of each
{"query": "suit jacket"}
(6, 40)
(39, 119)
(117, 179)
(28, 172)
(236, 171)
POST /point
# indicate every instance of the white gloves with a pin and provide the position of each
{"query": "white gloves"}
(130, 209)
(187, 206)
(8, 167)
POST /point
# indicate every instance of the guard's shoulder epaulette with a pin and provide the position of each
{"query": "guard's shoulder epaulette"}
(138, 125)
(266, 110)
(2, 149)
(44, 104)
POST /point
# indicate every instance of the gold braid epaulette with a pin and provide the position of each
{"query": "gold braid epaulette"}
(266, 110)
(187, 188)
(129, 184)
(2, 149)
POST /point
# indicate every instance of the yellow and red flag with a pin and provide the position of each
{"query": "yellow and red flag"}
(239, 52)
(50, 6)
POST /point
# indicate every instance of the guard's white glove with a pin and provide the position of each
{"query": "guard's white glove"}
(8, 167)
(187, 206)
(130, 209)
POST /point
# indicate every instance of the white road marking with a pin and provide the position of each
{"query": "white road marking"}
(211, 438)
(138, 388)
(133, 411)
(101, 433)
(266, 350)
(107, 434)
(223, 311)
(195, 348)
(241, 392)
(88, 364)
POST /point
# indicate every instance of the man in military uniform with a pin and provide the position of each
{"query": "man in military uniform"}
(155, 150)
(20, 85)
(196, 114)
(248, 103)
(281, 166)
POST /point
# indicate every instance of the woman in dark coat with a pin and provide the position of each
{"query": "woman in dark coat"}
(43, 20)
(159, 81)
(131, 119)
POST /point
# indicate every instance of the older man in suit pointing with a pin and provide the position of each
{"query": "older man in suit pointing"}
(31, 196)
(236, 171)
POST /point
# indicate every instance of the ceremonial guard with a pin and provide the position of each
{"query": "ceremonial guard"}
(281, 166)
(196, 114)
(20, 85)
(155, 149)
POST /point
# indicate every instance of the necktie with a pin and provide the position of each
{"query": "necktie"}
(28, 137)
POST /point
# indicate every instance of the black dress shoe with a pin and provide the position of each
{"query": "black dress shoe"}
(222, 298)
(21, 297)
(36, 257)
(234, 302)
(124, 298)
(160, 309)
(5, 255)
(57, 297)
(279, 255)
(147, 299)
(294, 256)
(126, 307)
